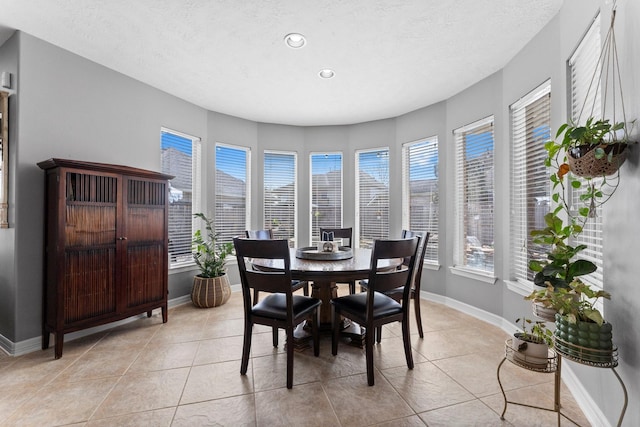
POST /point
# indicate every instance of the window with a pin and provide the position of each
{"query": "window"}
(420, 191)
(473, 239)
(280, 194)
(232, 195)
(326, 193)
(372, 196)
(585, 101)
(180, 158)
(530, 187)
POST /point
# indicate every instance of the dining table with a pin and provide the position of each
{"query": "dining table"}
(324, 274)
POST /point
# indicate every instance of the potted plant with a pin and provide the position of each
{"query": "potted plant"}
(561, 265)
(211, 287)
(581, 331)
(531, 346)
(597, 148)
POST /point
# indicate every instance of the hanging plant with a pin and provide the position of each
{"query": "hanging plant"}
(584, 158)
(591, 150)
(587, 157)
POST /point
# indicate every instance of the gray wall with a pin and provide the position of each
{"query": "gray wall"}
(70, 107)
(9, 63)
(67, 106)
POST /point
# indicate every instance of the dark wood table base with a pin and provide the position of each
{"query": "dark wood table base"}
(325, 291)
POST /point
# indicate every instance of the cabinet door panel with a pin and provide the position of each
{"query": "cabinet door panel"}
(145, 224)
(146, 261)
(145, 275)
(89, 284)
(89, 225)
(90, 245)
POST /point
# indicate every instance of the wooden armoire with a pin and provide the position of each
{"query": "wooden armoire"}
(106, 241)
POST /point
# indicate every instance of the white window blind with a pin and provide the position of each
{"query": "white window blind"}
(181, 158)
(474, 196)
(232, 191)
(280, 194)
(584, 71)
(420, 191)
(326, 192)
(372, 195)
(585, 91)
(530, 185)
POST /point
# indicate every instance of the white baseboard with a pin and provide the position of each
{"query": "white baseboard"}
(34, 344)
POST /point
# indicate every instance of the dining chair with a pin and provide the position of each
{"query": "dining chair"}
(373, 308)
(267, 234)
(259, 234)
(340, 233)
(280, 309)
(415, 281)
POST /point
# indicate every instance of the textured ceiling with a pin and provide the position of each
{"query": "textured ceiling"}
(390, 56)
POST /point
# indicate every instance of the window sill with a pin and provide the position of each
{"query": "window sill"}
(473, 274)
(182, 267)
(190, 266)
(431, 266)
(519, 287)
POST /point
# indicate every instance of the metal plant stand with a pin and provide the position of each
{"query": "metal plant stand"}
(554, 365)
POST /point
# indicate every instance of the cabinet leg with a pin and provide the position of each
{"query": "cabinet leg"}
(45, 340)
(58, 347)
(164, 314)
(149, 313)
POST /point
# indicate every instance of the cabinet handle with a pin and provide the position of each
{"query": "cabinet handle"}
(122, 238)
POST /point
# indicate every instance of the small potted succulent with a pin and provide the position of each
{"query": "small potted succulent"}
(211, 287)
(531, 345)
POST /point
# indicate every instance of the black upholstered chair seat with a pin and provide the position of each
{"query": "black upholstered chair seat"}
(275, 306)
(383, 306)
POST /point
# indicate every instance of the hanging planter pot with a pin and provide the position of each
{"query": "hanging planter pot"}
(589, 161)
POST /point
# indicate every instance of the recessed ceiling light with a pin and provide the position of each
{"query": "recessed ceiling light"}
(295, 40)
(327, 73)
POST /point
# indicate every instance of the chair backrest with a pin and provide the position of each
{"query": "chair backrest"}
(276, 278)
(339, 233)
(422, 250)
(259, 234)
(383, 280)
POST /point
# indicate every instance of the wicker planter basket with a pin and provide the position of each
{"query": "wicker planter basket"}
(583, 162)
(210, 292)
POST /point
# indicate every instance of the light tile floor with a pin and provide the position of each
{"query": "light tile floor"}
(186, 373)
